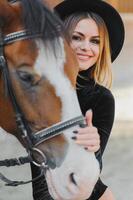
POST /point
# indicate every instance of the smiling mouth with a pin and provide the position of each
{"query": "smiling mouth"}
(83, 57)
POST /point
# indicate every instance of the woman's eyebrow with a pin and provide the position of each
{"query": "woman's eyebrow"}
(96, 36)
(79, 33)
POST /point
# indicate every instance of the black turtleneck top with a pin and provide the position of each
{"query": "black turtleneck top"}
(101, 101)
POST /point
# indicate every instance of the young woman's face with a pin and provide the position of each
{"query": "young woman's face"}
(85, 42)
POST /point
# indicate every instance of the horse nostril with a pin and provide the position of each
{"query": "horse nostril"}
(72, 179)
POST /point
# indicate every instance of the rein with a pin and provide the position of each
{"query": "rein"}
(31, 140)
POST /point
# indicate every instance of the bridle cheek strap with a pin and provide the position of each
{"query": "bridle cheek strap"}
(22, 124)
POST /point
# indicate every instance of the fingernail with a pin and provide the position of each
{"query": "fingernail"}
(75, 131)
(74, 137)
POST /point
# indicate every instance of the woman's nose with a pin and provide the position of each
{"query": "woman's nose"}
(85, 46)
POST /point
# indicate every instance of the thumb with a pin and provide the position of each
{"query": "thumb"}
(88, 117)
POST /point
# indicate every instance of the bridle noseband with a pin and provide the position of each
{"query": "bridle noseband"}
(31, 140)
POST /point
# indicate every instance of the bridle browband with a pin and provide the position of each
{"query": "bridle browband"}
(19, 35)
(30, 140)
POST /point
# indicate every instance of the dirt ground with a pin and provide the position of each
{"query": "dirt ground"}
(118, 167)
(118, 158)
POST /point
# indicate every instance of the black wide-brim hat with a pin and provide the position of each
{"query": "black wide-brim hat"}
(110, 16)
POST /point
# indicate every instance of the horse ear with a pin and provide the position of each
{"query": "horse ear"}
(5, 13)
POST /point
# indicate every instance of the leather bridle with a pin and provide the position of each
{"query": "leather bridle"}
(30, 140)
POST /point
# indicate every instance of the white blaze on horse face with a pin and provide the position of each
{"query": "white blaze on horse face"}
(52, 67)
(78, 164)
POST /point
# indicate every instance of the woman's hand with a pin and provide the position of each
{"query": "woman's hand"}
(88, 137)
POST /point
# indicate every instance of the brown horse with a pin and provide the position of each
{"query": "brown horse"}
(39, 74)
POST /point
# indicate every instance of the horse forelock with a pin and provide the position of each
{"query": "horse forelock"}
(38, 18)
(32, 15)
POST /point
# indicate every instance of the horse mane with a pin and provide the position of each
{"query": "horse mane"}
(38, 18)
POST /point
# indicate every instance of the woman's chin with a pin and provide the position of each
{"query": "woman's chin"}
(83, 68)
(83, 65)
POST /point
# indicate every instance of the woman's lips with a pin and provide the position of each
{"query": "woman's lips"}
(83, 57)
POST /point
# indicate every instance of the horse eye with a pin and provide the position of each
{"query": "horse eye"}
(25, 76)
(29, 79)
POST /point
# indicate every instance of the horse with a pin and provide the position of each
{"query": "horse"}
(38, 102)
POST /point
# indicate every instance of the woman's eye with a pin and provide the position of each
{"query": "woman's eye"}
(95, 41)
(76, 38)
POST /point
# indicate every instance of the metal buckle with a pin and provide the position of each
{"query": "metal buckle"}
(35, 162)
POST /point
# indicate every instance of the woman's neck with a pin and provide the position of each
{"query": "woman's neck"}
(87, 74)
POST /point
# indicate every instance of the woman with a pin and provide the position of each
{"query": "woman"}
(91, 27)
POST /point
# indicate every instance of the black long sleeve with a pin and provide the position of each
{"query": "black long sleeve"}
(101, 101)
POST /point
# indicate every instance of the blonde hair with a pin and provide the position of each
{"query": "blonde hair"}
(101, 73)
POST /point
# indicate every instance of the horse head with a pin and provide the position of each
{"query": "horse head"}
(43, 70)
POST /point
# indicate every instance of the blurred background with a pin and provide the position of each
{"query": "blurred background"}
(118, 158)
